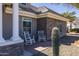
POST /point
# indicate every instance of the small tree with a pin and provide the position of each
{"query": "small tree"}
(55, 41)
(71, 16)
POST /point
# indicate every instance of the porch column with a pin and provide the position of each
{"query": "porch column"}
(16, 22)
(1, 29)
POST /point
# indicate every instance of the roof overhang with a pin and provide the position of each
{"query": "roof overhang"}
(54, 16)
(33, 15)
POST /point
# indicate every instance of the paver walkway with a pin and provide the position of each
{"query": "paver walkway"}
(67, 48)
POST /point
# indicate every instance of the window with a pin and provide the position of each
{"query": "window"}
(27, 24)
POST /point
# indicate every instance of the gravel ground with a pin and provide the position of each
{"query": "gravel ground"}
(69, 50)
(67, 47)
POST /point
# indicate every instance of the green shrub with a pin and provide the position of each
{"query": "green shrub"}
(75, 30)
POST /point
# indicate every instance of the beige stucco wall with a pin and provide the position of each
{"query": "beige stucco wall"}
(34, 26)
(50, 24)
(7, 26)
(64, 29)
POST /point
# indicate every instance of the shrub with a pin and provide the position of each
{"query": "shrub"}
(75, 30)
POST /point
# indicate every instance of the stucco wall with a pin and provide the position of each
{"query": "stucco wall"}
(50, 24)
(34, 26)
(64, 29)
(7, 26)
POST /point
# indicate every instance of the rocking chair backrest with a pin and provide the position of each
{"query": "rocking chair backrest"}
(26, 35)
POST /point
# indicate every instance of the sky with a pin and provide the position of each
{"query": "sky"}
(57, 8)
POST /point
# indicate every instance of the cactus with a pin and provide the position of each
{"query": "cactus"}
(55, 41)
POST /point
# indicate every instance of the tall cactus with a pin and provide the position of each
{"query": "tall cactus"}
(55, 41)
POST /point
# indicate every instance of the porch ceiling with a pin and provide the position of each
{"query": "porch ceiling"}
(22, 13)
